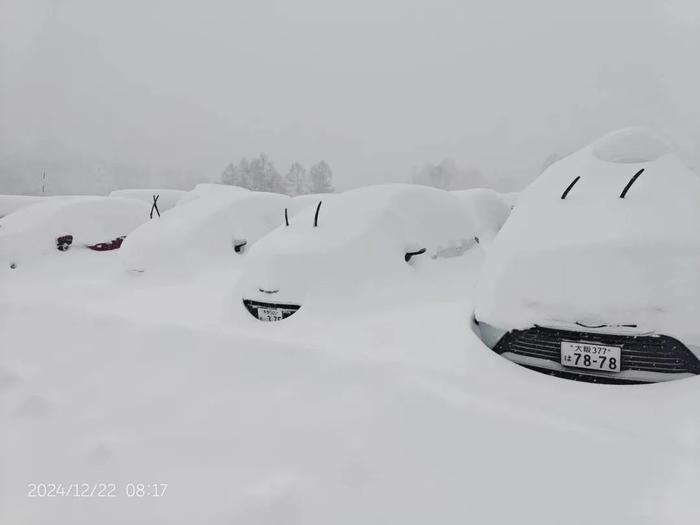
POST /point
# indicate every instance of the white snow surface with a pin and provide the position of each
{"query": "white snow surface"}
(377, 406)
(511, 198)
(488, 208)
(211, 191)
(12, 203)
(630, 146)
(32, 231)
(202, 232)
(381, 415)
(359, 244)
(301, 202)
(598, 259)
(166, 198)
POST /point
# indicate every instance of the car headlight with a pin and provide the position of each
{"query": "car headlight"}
(490, 335)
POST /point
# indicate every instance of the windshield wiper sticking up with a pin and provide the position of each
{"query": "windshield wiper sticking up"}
(568, 189)
(629, 184)
(316, 216)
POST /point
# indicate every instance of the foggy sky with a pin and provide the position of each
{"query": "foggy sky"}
(374, 87)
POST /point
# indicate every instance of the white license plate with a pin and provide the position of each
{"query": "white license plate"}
(591, 356)
(269, 314)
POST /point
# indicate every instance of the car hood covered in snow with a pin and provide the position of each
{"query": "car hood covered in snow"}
(361, 240)
(594, 257)
(202, 231)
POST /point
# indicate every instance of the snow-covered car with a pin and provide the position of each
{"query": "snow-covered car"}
(595, 276)
(202, 231)
(164, 198)
(489, 209)
(66, 224)
(364, 237)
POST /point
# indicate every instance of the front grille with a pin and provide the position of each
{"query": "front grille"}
(286, 309)
(648, 353)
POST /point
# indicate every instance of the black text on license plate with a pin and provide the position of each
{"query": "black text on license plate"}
(591, 356)
(270, 314)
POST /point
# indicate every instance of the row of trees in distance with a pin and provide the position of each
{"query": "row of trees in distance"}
(260, 174)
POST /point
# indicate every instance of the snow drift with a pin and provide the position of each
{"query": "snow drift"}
(594, 257)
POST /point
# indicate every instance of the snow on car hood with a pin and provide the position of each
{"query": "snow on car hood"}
(202, 231)
(360, 242)
(594, 257)
(32, 231)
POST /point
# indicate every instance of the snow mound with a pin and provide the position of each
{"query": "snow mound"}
(166, 198)
(629, 146)
(203, 231)
(489, 209)
(595, 257)
(361, 239)
(32, 231)
(211, 191)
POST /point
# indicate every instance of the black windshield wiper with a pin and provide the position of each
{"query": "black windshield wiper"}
(629, 184)
(568, 189)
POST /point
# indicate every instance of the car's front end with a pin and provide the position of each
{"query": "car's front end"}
(601, 354)
(270, 311)
(595, 274)
(602, 306)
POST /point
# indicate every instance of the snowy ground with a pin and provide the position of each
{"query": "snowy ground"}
(386, 410)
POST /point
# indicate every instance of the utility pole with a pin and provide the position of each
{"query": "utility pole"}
(43, 183)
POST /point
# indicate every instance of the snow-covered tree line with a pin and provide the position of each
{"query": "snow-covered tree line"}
(260, 174)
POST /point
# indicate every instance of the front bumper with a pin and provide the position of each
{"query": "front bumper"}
(645, 358)
(254, 306)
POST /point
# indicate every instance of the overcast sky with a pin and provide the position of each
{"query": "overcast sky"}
(374, 87)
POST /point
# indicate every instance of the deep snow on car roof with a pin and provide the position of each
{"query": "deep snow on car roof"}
(488, 208)
(90, 220)
(594, 210)
(202, 229)
(166, 198)
(596, 257)
(424, 215)
(92, 216)
(210, 190)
